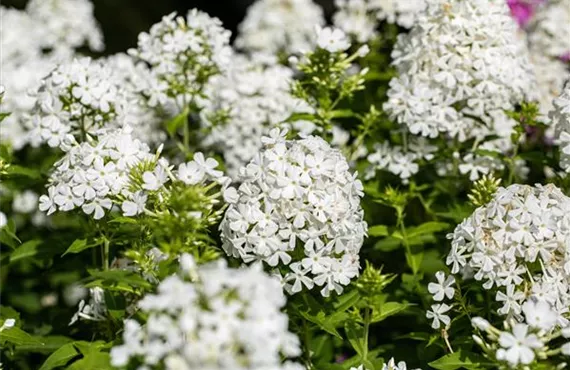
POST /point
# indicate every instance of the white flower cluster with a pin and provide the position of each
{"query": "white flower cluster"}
(33, 42)
(549, 31)
(223, 319)
(252, 98)
(298, 208)
(461, 63)
(360, 18)
(98, 174)
(390, 365)
(400, 162)
(551, 74)
(138, 87)
(517, 241)
(76, 98)
(66, 24)
(560, 116)
(95, 173)
(183, 54)
(272, 26)
(94, 310)
(524, 342)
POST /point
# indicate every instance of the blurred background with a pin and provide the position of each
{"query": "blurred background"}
(123, 20)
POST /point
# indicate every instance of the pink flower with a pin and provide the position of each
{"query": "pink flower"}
(523, 10)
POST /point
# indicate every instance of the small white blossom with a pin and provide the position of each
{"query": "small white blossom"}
(443, 287)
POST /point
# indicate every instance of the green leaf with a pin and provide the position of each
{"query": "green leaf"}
(118, 277)
(378, 230)
(50, 344)
(426, 228)
(388, 309)
(93, 361)
(174, 124)
(23, 171)
(61, 357)
(388, 244)
(18, 337)
(77, 246)
(461, 360)
(342, 113)
(327, 323)
(356, 336)
(26, 250)
(415, 261)
(123, 220)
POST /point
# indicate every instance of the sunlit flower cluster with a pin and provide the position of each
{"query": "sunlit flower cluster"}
(33, 41)
(521, 343)
(183, 53)
(273, 26)
(360, 18)
(211, 318)
(243, 104)
(75, 99)
(461, 63)
(549, 32)
(561, 120)
(518, 243)
(298, 209)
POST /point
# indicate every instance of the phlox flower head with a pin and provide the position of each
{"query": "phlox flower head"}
(461, 63)
(298, 210)
(243, 104)
(211, 317)
(519, 239)
(272, 26)
(560, 115)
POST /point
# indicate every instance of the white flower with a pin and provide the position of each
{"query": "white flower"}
(539, 314)
(25, 202)
(223, 319)
(437, 314)
(94, 310)
(183, 53)
(560, 116)
(332, 39)
(244, 104)
(298, 203)
(518, 347)
(517, 234)
(134, 206)
(3, 220)
(271, 26)
(8, 323)
(443, 288)
(360, 18)
(548, 30)
(391, 365)
(443, 90)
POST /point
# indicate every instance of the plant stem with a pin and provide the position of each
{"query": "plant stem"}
(105, 254)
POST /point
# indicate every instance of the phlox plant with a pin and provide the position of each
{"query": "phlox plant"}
(382, 189)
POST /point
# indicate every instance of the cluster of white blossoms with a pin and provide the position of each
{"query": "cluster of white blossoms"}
(94, 310)
(67, 24)
(96, 173)
(400, 162)
(549, 32)
(551, 74)
(360, 18)
(522, 343)
(560, 116)
(33, 42)
(76, 98)
(461, 63)
(273, 26)
(211, 317)
(183, 53)
(390, 365)
(137, 88)
(243, 104)
(518, 243)
(297, 209)
(115, 169)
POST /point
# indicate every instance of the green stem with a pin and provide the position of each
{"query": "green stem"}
(105, 254)
(366, 332)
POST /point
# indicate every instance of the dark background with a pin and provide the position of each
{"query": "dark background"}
(123, 20)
